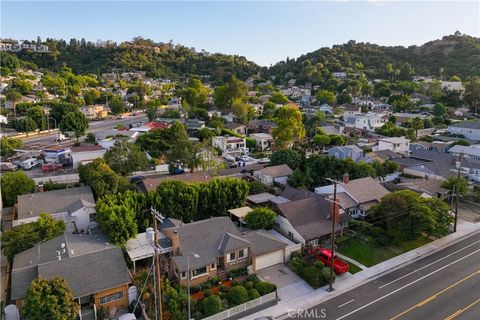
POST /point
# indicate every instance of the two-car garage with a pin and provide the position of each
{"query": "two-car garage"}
(268, 260)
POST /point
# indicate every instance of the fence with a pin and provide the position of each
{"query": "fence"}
(244, 307)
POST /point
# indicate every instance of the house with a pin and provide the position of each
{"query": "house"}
(396, 144)
(356, 196)
(95, 270)
(107, 138)
(263, 140)
(383, 155)
(469, 129)
(365, 121)
(452, 85)
(75, 206)
(154, 125)
(293, 194)
(472, 151)
(278, 174)
(95, 111)
(427, 188)
(86, 153)
(350, 109)
(346, 152)
(437, 146)
(306, 221)
(150, 184)
(340, 75)
(236, 127)
(404, 117)
(233, 146)
(331, 130)
(215, 246)
(261, 126)
(194, 125)
(326, 108)
(3, 119)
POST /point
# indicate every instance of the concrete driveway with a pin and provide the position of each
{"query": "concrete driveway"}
(289, 285)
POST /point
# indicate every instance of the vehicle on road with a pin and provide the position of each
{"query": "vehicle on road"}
(136, 179)
(50, 167)
(7, 166)
(120, 117)
(178, 171)
(60, 137)
(325, 255)
(30, 163)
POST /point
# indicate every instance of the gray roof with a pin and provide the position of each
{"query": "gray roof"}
(365, 189)
(231, 242)
(262, 242)
(281, 170)
(89, 264)
(430, 155)
(467, 124)
(408, 162)
(467, 150)
(387, 154)
(66, 200)
(233, 125)
(293, 194)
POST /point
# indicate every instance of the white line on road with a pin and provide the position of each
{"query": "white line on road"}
(346, 303)
(428, 265)
(407, 285)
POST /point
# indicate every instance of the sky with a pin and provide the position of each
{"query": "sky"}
(263, 31)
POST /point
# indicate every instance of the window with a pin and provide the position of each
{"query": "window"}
(183, 275)
(199, 272)
(231, 256)
(290, 234)
(93, 217)
(241, 253)
(111, 297)
(213, 266)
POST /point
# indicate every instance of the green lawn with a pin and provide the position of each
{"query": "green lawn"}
(370, 256)
(353, 268)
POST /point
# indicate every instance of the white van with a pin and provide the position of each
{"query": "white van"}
(30, 163)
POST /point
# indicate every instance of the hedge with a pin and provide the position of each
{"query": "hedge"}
(237, 295)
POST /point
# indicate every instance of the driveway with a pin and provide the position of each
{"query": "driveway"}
(289, 285)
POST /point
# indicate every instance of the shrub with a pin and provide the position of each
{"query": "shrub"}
(319, 265)
(265, 287)
(212, 305)
(237, 295)
(225, 304)
(253, 294)
(235, 283)
(207, 292)
(214, 280)
(253, 278)
(206, 285)
(194, 289)
(223, 288)
(260, 218)
(248, 285)
(295, 254)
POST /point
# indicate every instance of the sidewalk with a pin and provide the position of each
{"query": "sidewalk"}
(341, 256)
(464, 228)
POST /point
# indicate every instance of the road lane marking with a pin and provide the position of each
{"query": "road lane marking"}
(434, 296)
(346, 303)
(407, 285)
(460, 311)
(428, 265)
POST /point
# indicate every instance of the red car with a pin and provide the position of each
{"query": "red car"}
(325, 255)
(48, 167)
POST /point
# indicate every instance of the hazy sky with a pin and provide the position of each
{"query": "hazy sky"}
(263, 31)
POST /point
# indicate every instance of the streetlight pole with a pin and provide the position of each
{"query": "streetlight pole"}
(459, 167)
(188, 283)
(332, 238)
(158, 276)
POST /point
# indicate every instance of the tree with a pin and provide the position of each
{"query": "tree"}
(289, 127)
(101, 178)
(90, 96)
(26, 125)
(240, 110)
(406, 71)
(7, 145)
(15, 184)
(416, 124)
(152, 112)
(118, 221)
(177, 199)
(50, 299)
(472, 94)
(260, 218)
(212, 305)
(344, 98)
(125, 157)
(321, 140)
(451, 184)
(325, 96)
(290, 157)
(13, 96)
(74, 121)
(37, 114)
(439, 110)
(116, 105)
(278, 98)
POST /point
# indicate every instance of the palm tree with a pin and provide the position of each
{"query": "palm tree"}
(14, 96)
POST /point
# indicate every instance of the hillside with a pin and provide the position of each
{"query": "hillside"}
(457, 54)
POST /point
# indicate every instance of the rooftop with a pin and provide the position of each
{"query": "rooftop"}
(87, 148)
(467, 124)
(276, 171)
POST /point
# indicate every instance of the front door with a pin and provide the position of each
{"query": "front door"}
(221, 262)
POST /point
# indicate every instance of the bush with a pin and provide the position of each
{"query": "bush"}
(265, 287)
(237, 295)
(223, 288)
(253, 278)
(50, 185)
(194, 289)
(256, 187)
(253, 294)
(214, 280)
(206, 285)
(225, 304)
(207, 292)
(212, 305)
(248, 285)
(295, 254)
(236, 273)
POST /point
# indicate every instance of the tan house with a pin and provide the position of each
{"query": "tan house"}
(213, 247)
(94, 111)
(95, 270)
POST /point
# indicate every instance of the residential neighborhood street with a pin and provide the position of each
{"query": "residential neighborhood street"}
(441, 286)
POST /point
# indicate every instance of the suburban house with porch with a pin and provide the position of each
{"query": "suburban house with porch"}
(213, 247)
(75, 206)
(95, 270)
(356, 196)
(272, 174)
(233, 146)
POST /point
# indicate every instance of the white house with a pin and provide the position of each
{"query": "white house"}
(326, 108)
(230, 145)
(85, 154)
(365, 121)
(395, 144)
(3, 119)
(469, 129)
(263, 140)
(452, 85)
(75, 206)
(107, 138)
(278, 174)
(468, 151)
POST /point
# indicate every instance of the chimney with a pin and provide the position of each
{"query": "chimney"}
(337, 210)
(346, 178)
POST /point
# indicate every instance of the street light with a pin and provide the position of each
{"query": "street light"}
(188, 282)
(458, 165)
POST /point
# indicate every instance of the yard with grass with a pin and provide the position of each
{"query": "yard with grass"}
(353, 268)
(369, 256)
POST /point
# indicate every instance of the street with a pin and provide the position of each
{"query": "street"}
(46, 140)
(445, 285)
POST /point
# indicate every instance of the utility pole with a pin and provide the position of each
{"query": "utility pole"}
(158, 275)
(333, 216)
(459, 167)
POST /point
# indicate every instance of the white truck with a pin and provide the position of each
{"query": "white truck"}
(60, 137)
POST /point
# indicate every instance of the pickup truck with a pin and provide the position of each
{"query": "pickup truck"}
(48, 167)
(325, 255)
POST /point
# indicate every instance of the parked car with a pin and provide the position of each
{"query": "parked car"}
(60, 137)
(325, 255)
(178, 171)
(136, 179)
(7, 166)
(50, 167)
(30, 163)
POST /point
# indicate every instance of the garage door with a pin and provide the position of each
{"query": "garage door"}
(268, 260)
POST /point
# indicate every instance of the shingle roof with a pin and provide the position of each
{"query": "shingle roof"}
(231, 242)
(281, 170)
(262, 242)
(293, 194)
(467, 124)
(66, 200)
(365, 189)
(467, 150)
(309, 217)
(87, 263)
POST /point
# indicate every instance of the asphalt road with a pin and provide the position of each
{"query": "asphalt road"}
(445, 285)
(46, 140)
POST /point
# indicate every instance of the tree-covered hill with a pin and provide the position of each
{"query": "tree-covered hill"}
(452, 55)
